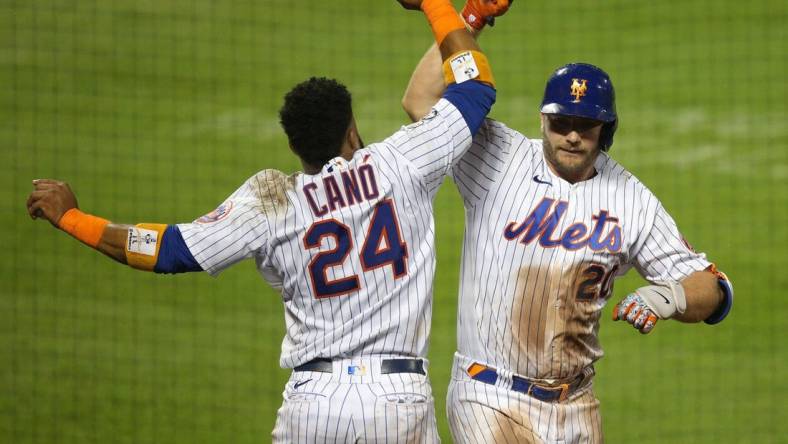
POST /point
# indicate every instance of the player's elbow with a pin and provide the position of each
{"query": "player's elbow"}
(706, 298)
(415, 106)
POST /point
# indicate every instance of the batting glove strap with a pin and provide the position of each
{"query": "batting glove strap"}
(665, 299)
(727, 302)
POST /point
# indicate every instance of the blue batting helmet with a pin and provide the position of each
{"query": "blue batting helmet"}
(583, 90)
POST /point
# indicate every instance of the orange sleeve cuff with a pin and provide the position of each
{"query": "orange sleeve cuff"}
(84, 227)
(443, 18)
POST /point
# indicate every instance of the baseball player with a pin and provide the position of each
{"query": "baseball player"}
(550, 224)
(349, 243)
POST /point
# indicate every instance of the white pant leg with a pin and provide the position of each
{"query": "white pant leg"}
(404, 410)
(341, 408)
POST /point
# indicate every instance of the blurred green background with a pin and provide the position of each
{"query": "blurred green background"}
(157, 110)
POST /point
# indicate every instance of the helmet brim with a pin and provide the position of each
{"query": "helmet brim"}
(581, 109)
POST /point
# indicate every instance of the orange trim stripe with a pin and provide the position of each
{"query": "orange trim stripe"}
(475, 369)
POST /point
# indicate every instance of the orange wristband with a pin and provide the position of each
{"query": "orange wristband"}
(85, 227)
(443, 18)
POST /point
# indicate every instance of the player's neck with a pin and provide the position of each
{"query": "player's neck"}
(309, 168)
(346, 152)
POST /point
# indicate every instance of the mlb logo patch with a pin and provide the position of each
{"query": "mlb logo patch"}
(356, 370)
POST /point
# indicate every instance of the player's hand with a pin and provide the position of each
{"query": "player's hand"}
(648, 304)
(50, 199)
(410, 4)
(478, 13)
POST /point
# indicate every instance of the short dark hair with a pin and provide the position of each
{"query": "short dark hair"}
(315, 116)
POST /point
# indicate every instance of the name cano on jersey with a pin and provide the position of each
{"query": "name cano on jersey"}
(544, 219)
(358, 185)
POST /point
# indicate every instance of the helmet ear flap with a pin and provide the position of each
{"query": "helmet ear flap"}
(606, 135)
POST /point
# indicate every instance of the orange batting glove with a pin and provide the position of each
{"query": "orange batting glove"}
(478, 13)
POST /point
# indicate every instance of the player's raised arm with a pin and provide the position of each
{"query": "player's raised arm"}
(149, 247)
(427, 83)
(458, 71)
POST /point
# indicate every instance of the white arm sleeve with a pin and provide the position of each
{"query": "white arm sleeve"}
(433, 143)
(236, 230)
(664, 255)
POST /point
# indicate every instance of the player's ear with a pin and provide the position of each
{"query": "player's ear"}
(541, 122)
(352, 137)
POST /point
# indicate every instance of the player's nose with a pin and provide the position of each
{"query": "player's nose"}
(573, 137)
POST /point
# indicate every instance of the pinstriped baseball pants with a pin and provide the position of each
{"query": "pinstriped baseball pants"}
(485, 413)
(356, 404)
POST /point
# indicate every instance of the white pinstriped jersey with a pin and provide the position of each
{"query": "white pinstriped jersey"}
(351, 249)
(540, 254)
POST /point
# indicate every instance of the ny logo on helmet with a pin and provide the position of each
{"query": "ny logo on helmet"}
(578, 89)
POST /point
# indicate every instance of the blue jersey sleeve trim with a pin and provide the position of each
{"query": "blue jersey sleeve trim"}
(473, 99)
(725, 306)
(174, 255)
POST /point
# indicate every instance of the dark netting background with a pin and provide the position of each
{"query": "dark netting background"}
(157, 110)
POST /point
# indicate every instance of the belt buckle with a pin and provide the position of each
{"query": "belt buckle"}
(564, 392)
(563, 387)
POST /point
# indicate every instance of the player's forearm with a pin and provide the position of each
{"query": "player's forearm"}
(703, 294)
(457, 41)
(113, 242)
(147, 247)
(426, 84)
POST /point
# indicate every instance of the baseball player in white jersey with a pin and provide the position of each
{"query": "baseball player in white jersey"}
(349, 243)
(550, 224)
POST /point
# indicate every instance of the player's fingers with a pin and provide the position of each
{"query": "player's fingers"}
(34, 197)
(634, 312)
(628, 305)
(30, 199)
(37, 194)
(45, 186)
(651, 321)
(615, 311)
(641, 319)
(624, 315)
(46, 183)
(619, 310)
(36, 209)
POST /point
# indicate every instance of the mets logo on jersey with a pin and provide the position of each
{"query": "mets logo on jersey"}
(579, 89)
(218, 214)
(605, 234)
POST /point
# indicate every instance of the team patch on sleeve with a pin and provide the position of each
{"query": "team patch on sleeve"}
(218, 214)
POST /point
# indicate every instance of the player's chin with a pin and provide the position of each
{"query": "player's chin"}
(572, 161)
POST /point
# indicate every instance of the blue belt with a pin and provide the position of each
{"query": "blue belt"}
(560, 392)
(387, 366)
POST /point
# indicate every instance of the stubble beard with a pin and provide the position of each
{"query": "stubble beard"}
(571, 172)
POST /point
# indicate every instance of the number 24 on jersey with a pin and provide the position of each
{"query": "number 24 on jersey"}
(383, 246)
